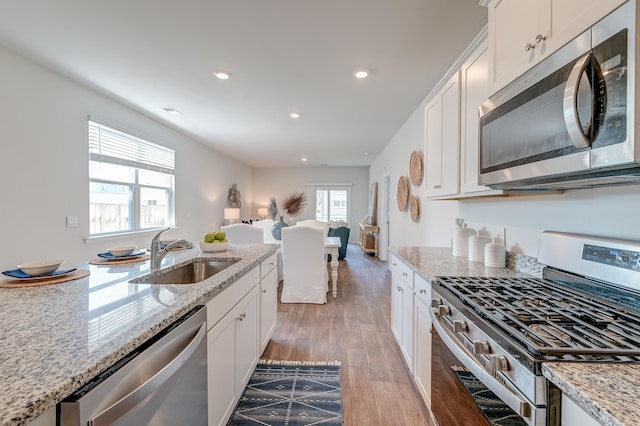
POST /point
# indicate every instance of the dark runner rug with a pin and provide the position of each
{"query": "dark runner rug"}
(291, 393)
(497, 412)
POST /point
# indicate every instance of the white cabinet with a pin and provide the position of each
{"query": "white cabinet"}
(232, 344)
(442, 139)
(422, 344)
(402, 308)
(48, 418)
(572, 414)
(268, 299)
(473, 92)
(521, 34)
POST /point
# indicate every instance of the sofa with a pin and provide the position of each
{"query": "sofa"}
(342, 232)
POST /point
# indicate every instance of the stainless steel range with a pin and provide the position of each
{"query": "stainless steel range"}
(585, 308)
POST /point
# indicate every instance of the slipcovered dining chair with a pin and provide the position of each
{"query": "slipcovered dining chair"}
(266, 225)
(316, 223)
(243, 233)
(305, 276)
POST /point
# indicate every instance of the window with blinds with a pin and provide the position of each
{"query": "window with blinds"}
(131, 182)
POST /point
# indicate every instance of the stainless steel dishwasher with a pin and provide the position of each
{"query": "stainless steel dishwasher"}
(163, 382)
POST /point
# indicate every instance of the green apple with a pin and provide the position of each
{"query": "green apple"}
(210, 237)
(216, 241)
(220, 236)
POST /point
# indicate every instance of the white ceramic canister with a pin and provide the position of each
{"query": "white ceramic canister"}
(494, 254)
(476, 247)
(461, 240)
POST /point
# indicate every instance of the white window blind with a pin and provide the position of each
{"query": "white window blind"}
(109, 145)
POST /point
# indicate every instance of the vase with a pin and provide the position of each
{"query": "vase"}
(276, 229)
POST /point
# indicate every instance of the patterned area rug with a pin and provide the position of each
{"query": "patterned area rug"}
(497, 412)
(291, 393)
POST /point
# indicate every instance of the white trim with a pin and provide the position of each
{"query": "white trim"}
(326, 184)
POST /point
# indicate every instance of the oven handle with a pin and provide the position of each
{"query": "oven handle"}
(507, 395)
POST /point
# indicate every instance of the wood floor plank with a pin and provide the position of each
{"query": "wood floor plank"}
(355, 329)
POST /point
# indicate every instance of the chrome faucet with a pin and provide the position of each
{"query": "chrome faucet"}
(157, 253)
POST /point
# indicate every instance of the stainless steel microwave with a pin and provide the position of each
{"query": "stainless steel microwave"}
(569, 121)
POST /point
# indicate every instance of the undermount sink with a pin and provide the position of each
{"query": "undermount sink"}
(197, 270)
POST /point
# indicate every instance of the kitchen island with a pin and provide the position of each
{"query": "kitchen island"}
(606, 391)
(55, 338)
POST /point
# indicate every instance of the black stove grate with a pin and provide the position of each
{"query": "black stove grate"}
(552, 320)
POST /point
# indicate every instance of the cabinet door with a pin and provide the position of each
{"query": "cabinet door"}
(571, 414)
(514, 25)
(268, 307)
(433, 146)
(442, 139)
(473, 92)
(407, 325)
(450, 165)
(422, 373)
(247, 338)
(396, 307)
(221, 381)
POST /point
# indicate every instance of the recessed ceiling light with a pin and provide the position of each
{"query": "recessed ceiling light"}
(294, 114)
(361, 73)
(303, 159)
(171, 111)
(222, 75)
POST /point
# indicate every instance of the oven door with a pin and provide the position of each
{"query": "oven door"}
(452, 402)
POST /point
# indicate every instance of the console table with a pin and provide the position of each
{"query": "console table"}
(369, 239)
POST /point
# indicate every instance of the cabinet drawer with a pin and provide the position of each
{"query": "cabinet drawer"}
(402, 270)
(222, 303)
(267, 265)
(423, 289)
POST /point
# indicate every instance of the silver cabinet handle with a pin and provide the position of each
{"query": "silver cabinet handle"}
(529, 46)
(264, 291)
(423, 291)
(241, 316)
(127, 402)
(540, 38)
(404, 274)
(399, 288)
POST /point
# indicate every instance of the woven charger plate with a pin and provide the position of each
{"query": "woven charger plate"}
(414, 207)
(101, 261)
(415, 168)
(403, 193)
(76, 275)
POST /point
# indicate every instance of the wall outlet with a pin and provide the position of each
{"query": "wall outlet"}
(72, 221)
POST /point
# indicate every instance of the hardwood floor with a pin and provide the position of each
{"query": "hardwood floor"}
(354, 329)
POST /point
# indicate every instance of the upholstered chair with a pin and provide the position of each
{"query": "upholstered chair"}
(266, 225)
(305, 276)
(316, 223)
(242, 234)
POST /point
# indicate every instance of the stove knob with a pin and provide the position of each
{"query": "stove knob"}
(499, 363)
(435, 303)
(481, 347)
(444, 310)
(459, 326)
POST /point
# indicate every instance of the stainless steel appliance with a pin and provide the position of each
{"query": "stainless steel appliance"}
(163, 382)
(585, 308)
(569, 121)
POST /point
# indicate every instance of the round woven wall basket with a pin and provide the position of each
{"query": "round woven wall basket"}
(414, 208)
(403, 193)
(415, 168)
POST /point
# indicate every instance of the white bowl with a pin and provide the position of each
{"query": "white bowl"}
(211, 247)
(40, 267)
(121, 251)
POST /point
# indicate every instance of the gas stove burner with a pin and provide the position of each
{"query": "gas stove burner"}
(548, 335)
(531, 303)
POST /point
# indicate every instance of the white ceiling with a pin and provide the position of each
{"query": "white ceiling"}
(284, 56)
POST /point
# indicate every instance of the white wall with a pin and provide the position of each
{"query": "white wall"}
(278, 183)
(44, 167)
(604, 211)
(432, 229)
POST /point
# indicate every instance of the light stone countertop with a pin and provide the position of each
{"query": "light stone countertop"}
(609, 392)
(55, 338)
